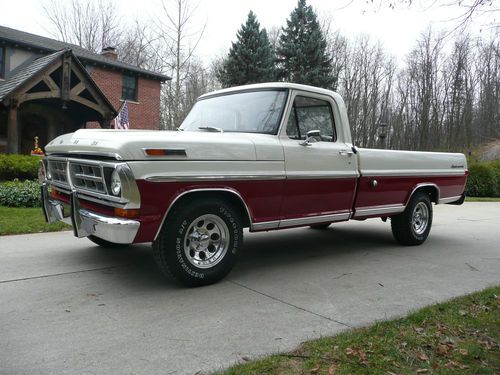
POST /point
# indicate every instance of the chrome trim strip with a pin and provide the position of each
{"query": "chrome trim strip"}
(418, 186)
(449, 199)
(321, 176)
(92, 153)
(265, 225)
(379, 210)
(411, 173)
(286, 223)
(198, 178)
(314, 219)
(226, 190)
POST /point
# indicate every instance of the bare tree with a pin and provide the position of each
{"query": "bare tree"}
(86, 23)
(175, 28)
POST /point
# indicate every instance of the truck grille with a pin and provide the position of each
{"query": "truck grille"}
(57, 170)
(83, 176)
(88, 177)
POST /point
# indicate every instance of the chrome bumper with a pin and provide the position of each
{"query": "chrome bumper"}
(86, 223)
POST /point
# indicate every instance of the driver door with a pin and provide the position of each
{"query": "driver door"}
(321, 174)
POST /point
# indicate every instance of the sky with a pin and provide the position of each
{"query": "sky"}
(397, 29)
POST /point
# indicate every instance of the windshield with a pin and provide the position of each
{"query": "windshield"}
(248, 112)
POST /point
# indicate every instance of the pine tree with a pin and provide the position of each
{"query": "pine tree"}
(301, 54)
(251, 57)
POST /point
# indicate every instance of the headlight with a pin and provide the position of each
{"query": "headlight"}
(116, 183)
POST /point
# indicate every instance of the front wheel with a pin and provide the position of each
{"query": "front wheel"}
(199, 243)
(413, 225)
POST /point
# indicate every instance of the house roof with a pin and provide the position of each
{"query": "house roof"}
(43, 44)
(26, 73)
(37, 67)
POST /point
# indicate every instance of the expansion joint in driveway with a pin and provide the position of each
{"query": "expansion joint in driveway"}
(289, 304)
(58, 274)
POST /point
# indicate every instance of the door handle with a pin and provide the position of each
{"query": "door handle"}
(345, 152)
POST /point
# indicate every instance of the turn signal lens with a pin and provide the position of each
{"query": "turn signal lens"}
(156, 152)
(129, 214)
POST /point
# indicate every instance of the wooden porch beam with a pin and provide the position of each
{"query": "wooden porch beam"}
(12, 131)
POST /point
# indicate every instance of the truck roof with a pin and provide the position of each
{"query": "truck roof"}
(274, 85)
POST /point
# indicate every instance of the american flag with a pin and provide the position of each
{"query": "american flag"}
(121, 120)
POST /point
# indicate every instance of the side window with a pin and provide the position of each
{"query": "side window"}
(311, 114)
(2, 62)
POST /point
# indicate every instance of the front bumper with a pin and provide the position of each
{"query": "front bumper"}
(86, 223)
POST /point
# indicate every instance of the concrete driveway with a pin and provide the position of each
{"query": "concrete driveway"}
(70, 307)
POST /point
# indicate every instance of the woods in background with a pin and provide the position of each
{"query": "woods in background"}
(438, 98)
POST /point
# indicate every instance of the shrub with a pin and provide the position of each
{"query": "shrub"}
(20, 194)
(23, 167)
(484, 179)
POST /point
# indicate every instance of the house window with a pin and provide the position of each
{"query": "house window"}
(2, 62)
(129, 88)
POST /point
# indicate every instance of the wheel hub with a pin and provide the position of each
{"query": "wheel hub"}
(420, 218)
(206, 241)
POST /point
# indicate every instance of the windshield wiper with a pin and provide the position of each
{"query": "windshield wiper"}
(211, 129)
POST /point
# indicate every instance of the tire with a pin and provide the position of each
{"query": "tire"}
(413, 225)
(200, 242)
(320, 226)
(104, 243)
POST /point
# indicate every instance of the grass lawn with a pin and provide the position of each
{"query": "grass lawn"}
(481, 199)
(26, 220)
(457, 337)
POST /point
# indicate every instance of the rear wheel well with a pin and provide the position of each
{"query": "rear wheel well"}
(431, 190)
(226, 195)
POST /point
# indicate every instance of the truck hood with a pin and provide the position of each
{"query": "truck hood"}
(130, 144)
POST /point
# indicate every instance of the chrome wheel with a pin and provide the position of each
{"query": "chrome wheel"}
(420, 218)
(206, 241)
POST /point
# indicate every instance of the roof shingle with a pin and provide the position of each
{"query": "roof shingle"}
(52, 45)
(25, 73)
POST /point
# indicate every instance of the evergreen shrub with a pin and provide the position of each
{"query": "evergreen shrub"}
(20, 193)
(23, 167)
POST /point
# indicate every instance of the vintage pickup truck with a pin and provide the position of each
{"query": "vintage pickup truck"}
(264, 157)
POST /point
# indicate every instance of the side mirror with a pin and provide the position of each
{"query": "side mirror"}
(312, 136)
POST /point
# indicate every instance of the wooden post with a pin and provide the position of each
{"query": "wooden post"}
(12, 131)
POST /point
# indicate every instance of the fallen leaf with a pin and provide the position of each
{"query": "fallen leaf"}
(422, 357)
(422, 370)
(462, 312)
(332, 370)
(349, 351)
(443, 349)
(315, 369)
(450, 364)
(419, 330)
(463, 351)
(362, 355)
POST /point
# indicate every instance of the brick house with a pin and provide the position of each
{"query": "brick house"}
(48, 88)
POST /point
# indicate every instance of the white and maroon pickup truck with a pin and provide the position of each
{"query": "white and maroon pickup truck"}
(263, 157)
